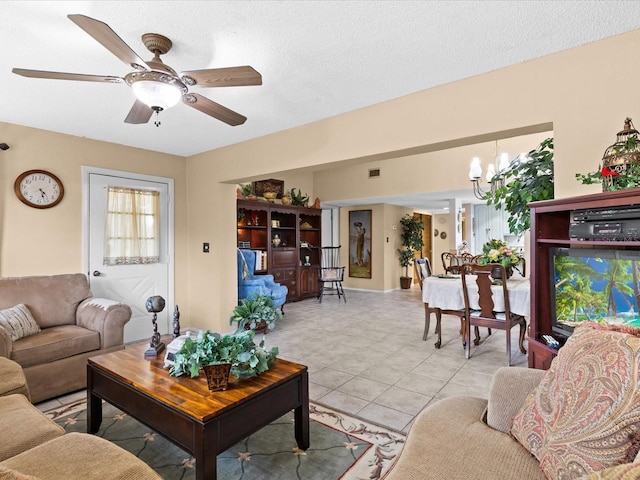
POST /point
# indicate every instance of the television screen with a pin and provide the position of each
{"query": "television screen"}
(596, 285)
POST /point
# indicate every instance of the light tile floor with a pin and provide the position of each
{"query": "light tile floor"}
(367, 357)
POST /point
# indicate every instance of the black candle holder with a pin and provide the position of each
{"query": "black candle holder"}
(154, 305)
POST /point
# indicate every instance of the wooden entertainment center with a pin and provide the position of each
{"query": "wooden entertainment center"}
(289, 240)
(550, 221)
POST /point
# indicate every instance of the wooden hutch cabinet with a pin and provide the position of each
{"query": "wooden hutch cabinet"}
(288, 239)
(550, 222)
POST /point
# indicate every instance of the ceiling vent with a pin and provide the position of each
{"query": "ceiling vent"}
(374, 172)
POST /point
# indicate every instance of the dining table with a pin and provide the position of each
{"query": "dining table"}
(442, 294)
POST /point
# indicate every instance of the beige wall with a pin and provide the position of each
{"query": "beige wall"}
(580, 94)
(48, 241)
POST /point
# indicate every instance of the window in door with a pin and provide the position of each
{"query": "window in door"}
(132, 229)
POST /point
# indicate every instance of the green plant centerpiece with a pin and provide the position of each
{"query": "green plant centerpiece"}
(497, 251)
(209, 348)
(525, 180)
(412, 243)
(256, 312)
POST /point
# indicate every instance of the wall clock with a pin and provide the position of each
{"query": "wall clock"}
(39, 189)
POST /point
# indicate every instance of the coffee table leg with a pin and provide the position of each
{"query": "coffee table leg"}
(301, 414)
(205, 454)
(94, 405)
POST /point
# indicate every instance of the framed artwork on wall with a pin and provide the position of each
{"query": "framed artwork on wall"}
(360, 243)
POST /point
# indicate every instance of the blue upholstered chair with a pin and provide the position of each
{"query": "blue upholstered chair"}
(249, 283)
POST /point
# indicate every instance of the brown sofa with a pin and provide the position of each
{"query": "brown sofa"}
(75, 326)
(34, 447)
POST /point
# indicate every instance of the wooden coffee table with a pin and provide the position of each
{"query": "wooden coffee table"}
(183, 410)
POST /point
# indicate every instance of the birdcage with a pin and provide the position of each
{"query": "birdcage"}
(621, 161)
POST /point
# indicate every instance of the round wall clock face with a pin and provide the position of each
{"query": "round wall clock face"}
(39, 189)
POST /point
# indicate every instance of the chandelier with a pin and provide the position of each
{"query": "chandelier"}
(496, 173)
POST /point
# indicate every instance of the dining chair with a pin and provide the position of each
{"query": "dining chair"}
(331, 273)
(486, 316)
(422, 269)
(451, 263)
(521, 267)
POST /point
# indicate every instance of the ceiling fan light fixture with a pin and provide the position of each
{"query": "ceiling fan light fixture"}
(156, 94)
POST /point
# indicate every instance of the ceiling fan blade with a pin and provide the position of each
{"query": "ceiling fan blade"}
(139, 113)
(213, 109)
(67, 76)
(102, 32)
(224, 77)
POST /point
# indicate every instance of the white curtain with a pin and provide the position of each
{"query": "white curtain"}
(132, 227)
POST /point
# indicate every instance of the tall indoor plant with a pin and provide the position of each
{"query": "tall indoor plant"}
(412, 243)
(524, 182)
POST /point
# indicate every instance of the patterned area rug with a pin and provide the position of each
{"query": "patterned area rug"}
(342, 447)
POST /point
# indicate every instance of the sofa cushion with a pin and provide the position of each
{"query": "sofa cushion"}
(23, 426)
(53, 344)
(627, 471)
(449, 441)
(12, 379)
(80, 455)
(583, 414)
(9, 474)
(18, 321)
(52, 299)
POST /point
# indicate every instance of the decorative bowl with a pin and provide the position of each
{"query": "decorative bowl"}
(270, 196)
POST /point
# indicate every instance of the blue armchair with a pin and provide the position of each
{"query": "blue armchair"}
(249, 283)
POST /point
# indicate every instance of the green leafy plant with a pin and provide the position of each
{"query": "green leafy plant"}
(525, 181)
(298, 199)
(246, 358)
(246, 189)
(256, 312)
(412, 242)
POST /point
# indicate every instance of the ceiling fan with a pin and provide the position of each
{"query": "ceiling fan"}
(156, 85)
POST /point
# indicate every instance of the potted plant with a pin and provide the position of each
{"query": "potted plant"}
(236, 354)
(412, 243)
(525, 182)
(256, 312)
(298, 199)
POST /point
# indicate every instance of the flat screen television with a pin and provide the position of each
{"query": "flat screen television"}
(596, 285)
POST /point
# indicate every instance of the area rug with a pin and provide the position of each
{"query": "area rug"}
(342, 447)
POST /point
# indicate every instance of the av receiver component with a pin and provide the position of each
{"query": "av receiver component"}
(607, 213)
(616, 224)
(627, 230)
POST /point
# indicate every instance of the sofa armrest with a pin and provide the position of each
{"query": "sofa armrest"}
(509, 389)
(6, 344)
(105, 317)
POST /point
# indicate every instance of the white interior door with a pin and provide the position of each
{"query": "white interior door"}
(130, 284)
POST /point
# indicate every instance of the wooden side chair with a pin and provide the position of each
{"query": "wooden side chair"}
(451, 263)
(486, 316)
(421, 269)
(330, 273)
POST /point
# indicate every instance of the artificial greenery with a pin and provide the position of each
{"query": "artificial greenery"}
(525, 181)
(209, 348)
(298, 199)
(246, 189)
(254, 309)
(412, 242)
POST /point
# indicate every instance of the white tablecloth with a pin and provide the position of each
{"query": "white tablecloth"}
(446, 294)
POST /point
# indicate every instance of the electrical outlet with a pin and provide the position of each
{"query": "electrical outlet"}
(205, 247)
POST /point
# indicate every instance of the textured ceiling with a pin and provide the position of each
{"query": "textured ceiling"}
(317, 58)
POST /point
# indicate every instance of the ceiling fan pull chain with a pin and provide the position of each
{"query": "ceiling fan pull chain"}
(157, 122)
